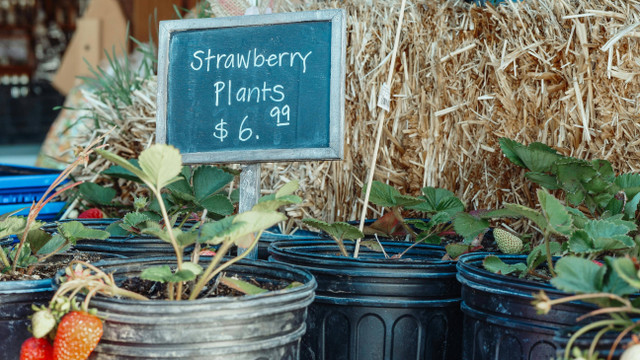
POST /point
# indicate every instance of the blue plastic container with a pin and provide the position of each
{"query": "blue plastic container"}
(20, 186)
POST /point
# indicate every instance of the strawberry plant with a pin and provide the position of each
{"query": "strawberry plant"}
(35, 245)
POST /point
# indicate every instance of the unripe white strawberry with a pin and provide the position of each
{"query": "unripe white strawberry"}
(507, 242)
(632, 353)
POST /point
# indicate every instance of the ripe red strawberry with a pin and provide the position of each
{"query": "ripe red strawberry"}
(78, 334)
(92, 213)
(36, 349)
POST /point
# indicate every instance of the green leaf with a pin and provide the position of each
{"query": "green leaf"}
(12, 225)
(122, 162)
(242, 286)
(616, 284)
(628, 181)
(536, 157)
(387, 196)
(558, 218)
(373, 245)
(164, 274)
(626, 269)
(457, 249)
(469, 226)
(602, 235)
(539, 254)
(496, 265)
(605, 170)
(185, 238)
(578, 275)
(632, 206)
(438, 200)
(115, 229)
(337, 230)
(428, 238)
(217, 204)
(161, 165)
(242, 225)
(546, 181)
(523, 211)
(288, 189)
(37, 239)
(118, 171)
(135, 218)
(54, 244)
(157, 273)
(208, 180)
(193, 267)
(73, 231)
(217, 231)
(96, 194)
(509, 149)
(181, 190)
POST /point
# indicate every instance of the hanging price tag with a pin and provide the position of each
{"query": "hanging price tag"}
(384, 97)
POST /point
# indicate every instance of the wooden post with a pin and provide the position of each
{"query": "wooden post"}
(249, 195)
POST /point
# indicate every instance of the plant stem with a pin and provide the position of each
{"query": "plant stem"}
(165, 217)
(622, 334)
(226, 245)
(213, 270)
(396, 212)
(588, 328)
(547, 246)
(4, 258)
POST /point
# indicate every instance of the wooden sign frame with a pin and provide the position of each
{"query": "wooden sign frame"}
(333, 151)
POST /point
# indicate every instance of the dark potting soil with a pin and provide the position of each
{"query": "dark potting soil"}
(49, 268)
(155, 290)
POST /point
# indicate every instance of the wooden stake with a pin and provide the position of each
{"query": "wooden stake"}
(381, 116)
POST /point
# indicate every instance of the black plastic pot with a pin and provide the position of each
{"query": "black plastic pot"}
(16, 298)
(603, 347)
(373, 308)
(266, 326)
(119, 246)
(274, 234)
(500, 322)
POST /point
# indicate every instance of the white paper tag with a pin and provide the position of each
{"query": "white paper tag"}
(384, 97)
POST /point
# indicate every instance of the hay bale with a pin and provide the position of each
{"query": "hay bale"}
(565, 73)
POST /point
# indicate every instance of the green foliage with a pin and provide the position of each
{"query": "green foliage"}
(437, 201)
(469, 226)
(388, 196)
(96, 194)
(496, 265)
(339, 231)
(178, 191)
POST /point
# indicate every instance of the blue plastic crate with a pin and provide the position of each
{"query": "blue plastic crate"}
(49, 212)
(20, 186)
(24, 184)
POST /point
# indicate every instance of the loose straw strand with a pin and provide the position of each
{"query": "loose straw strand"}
(381, 116)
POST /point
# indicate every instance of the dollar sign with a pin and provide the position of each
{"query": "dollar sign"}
(221, 133)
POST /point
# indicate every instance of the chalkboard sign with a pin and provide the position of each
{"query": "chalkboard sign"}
(253, 88)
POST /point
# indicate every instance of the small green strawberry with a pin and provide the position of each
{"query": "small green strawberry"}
(42, 322)
(507, 242)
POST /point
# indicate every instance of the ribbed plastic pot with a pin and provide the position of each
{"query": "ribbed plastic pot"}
(267, 326)
(500, 322)
(16, 298)
(373, 308)
(603, 346)
(274, 234)
(127, 246)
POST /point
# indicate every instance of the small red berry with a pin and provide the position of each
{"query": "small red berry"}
(93, 213)
(36, 349)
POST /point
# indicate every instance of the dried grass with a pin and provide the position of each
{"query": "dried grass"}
(562, 72)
